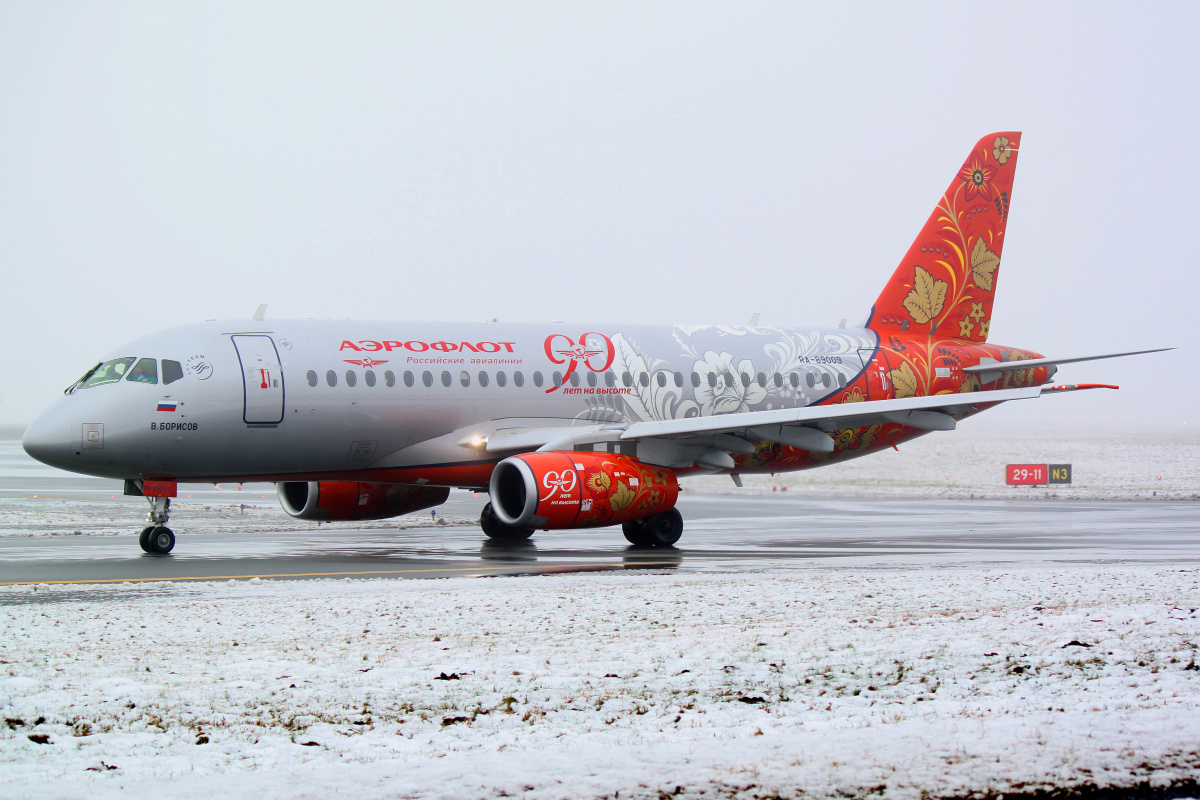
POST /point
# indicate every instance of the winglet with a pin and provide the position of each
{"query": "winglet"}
(259, 312)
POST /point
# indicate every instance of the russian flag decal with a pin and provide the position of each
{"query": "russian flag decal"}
(167, 406)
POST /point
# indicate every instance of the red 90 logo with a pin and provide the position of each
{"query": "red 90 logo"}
(594, 351)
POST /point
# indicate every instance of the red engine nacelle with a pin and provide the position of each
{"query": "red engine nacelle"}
(331, 501)
(578, 490)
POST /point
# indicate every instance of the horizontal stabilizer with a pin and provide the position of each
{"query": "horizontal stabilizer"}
(1031, 363)
(1076, 387)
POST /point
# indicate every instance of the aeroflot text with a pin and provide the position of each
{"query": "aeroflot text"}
(421, 347)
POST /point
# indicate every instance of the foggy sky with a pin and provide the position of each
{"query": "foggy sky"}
(669, 162)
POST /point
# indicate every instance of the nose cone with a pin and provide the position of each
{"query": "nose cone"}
(49, 439)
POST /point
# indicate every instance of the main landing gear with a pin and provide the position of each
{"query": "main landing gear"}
(156, 537)
(660, 530)
(499, 530)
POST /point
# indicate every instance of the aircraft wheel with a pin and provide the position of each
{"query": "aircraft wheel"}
(664, 530)
(161, 540)
(144, 538)
(635, 532)
(496, 529)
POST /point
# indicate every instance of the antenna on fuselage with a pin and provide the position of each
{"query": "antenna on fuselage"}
(259, 312)
(754, 320)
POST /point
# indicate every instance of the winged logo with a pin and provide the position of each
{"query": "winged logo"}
(364, 362)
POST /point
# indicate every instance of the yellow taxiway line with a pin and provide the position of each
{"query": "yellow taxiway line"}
(540, 569)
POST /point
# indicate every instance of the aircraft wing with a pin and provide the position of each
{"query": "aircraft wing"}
(707, 441)
(1032, 363)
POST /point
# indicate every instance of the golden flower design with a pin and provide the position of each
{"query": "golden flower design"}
(978, 177)
(855, 395)
(1000, 149)
(969, 384)
(983, 328)
(597, 482)
(622, 497)
(976, 311)
(965, 326)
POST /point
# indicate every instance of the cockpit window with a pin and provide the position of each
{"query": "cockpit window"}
(108, 372)
(172, 371)
(145, 371)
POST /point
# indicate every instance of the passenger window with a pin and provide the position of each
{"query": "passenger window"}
(351, 378)
(464, 378)
(592, 380)
(662, 379)
(483, 378)
(728, 379)
(427, 378)
(446, 379)
(679, 379)
(778, 381)
(331, 378)
(409, 380)
(762, 379)
(626, 379)
(644, 378)
(695, 379)
(574, 378)
(501, 379)
(518, 379)
(794, 379)
(389, 378)
(745, 379)
(145, 371)
(808, 378)
(537, 379)
(841, 381)
(558, 379)
(173, 371)
(369, 377)
(826, 381)
(312, 375)
(712, 380)
(610, 379)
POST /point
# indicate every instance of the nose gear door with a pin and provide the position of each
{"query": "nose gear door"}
(262, 379)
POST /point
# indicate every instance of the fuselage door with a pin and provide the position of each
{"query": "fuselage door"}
(877, 365)
(262, 379)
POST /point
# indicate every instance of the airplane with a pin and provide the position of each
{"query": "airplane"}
(564, 426)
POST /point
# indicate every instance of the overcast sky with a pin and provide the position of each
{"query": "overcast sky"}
(163, 163)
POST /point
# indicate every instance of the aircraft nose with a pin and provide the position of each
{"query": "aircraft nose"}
(48, 439)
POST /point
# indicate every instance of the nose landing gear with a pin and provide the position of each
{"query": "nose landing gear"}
(156, 537)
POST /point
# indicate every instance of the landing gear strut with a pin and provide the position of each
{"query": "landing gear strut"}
(496, 529)
(660, 530)
(156, 537)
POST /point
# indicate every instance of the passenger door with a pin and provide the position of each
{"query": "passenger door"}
(262, 379)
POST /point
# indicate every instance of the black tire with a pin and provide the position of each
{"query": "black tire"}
(144, 539)
(664, 530)
(161, 539)
(496, 529)
(635, 532)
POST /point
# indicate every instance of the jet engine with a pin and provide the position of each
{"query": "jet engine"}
(578, 490)
(333, 501)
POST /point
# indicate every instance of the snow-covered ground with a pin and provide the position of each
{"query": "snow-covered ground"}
(969, 463)
(814, 681)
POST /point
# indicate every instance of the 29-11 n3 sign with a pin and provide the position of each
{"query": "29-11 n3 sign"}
(1037, 474)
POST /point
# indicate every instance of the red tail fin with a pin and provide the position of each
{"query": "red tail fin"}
(947, 280)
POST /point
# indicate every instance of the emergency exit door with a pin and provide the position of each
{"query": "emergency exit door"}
(262, 379)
